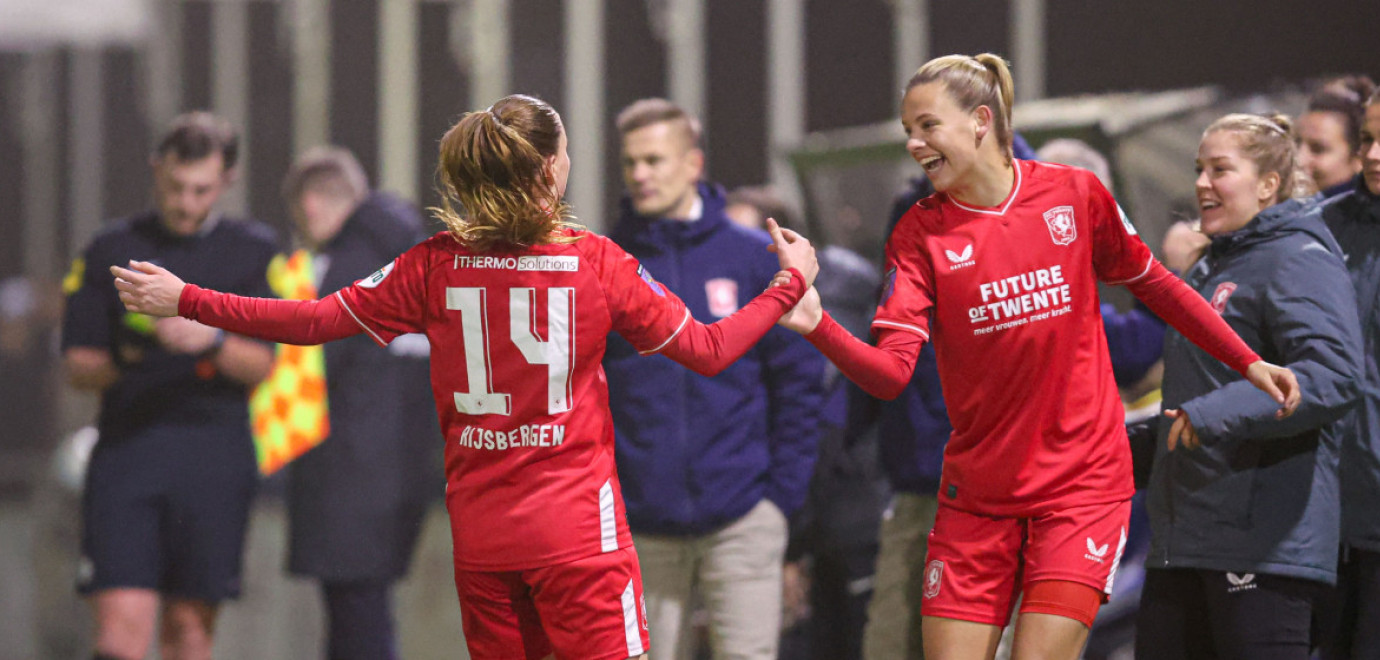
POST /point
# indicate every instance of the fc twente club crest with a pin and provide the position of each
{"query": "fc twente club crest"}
(1062, 229)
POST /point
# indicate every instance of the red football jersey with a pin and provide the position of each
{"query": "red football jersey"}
(1010, 296)
(517, 341)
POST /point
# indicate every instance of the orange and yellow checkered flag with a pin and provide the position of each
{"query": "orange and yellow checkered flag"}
(288, 412)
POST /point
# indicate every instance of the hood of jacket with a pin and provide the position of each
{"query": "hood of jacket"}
(1289, 217)
(1358, 204)
(635, 231)
(381, 219)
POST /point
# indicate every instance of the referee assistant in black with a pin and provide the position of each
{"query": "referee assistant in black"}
(170, 483)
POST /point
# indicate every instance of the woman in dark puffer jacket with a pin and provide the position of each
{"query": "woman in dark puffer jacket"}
(1244, 506)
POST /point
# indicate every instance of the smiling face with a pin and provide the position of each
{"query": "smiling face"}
(1324, 152)
(1370, 148)
(940, 135)
(1230, 188)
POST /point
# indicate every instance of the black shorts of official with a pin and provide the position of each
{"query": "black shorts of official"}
(1190, 614)
(167, 510)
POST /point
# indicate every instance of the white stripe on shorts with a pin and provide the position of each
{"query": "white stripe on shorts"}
(1116, 563)
(630, 622)
(608, 523)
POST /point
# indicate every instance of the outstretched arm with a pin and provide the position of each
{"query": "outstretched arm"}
(1311, 326)
(1182, 307)
(153, 290)
(882, 370)
(709, 349)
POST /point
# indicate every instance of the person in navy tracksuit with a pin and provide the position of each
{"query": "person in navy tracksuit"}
(711, 468)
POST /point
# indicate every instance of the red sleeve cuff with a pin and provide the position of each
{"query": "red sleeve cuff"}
(186, 301)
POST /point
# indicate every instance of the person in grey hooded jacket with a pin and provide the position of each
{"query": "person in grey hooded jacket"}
(1244, 505)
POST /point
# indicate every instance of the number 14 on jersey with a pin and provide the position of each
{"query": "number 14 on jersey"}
(555, 351)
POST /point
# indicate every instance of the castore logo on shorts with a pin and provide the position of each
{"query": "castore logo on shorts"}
(1095, 552)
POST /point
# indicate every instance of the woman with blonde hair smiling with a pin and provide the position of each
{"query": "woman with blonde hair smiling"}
(1000, 268)
(1244, 506)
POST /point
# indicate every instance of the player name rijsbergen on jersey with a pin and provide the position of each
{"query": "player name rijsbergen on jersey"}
(517, 344)
(1011, 294)
(525, 436)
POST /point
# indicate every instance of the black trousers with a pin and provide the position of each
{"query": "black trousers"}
(1349, 615)
(359, 621)
(1190, 614)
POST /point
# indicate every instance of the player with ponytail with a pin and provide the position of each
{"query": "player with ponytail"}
(517, 303)
(999, 268)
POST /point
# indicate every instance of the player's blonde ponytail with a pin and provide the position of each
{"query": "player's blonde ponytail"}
(975, 81)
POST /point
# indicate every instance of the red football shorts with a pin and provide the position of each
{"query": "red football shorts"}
(588, 608)
(978, 564)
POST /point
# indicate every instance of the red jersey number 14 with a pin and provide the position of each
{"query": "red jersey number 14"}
(554, 352)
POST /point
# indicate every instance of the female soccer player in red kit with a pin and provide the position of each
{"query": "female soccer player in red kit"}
(517, 303)
(999, 268)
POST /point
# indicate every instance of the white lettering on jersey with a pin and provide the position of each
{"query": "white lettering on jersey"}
(559, 264)
(556, 352)
(474, 321)
(548, 263)
(1013, 301)
(493, 263)
(522, 437)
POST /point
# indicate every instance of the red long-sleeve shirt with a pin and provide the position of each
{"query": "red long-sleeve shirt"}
(1008, 294)
(517, 342)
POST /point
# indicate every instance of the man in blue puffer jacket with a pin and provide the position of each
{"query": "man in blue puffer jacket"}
(711, 468)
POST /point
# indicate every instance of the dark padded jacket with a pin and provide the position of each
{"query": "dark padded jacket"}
(1261, 494)
(697, 453)
(356, 501)
(1355, 220)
